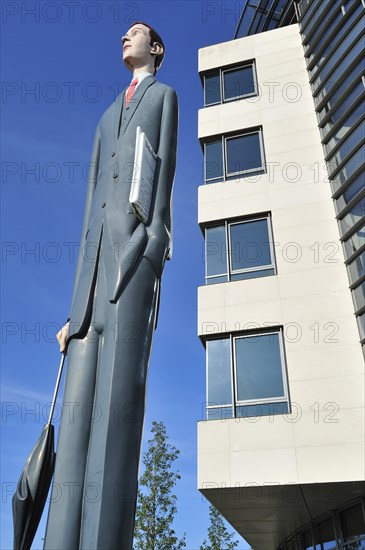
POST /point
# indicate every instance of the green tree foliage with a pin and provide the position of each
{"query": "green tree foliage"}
(218, 535)
(156, 505)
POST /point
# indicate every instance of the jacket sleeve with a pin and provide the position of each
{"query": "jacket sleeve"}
(159, 228)
(92, 181)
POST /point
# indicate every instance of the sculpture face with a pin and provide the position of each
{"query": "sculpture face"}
(137, 50)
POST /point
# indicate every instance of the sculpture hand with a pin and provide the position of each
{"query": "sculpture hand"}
(62, 336)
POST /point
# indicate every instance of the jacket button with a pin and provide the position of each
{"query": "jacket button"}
(113, 154)
(115, 176)
(104, 203)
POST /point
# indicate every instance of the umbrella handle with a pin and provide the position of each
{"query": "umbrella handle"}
(62, 362)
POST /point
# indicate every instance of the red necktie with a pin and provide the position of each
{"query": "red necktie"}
(130, 90)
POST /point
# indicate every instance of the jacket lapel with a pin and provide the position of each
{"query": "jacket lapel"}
(118, 113)
(128, 112)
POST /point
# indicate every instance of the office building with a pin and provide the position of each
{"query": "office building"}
(281, 450)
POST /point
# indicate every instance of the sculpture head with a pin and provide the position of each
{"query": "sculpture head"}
(142, 47)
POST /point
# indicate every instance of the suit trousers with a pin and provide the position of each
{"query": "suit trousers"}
(96, 476)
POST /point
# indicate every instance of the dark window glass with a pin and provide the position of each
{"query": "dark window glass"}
(356, 186)
(243, 153)
(259, 374)
(307, 540)
(249, 249)
(344, 129)
(355, 241)
(347, 146)
(337, 51)
(352, 523)
(359, 295)
(348, 169)
(219, 372)
(329, 23)
(272, 24)
(262, 409)
(219, 413)
(334, 15)
(291, 544)
(212, 89)
(357, 267)
(324, 535)
(213, 161)
(361, 325)
(341, 31)
(214, 280)
(235, 83)
(332, 101)
(258, 367)
(313, 13)
(246, 20)
(249, 245)
(343, 106)
(341, 68)
(216, 252)
(352, 217)
(238, 83)
(238, 276)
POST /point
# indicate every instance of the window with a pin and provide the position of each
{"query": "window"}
(348, 102)
(246, 375)
(341, 67)
(348, 169)
(306, 539)
(350, 143)
(345, 127)
(350, 192)
(230, 157)
(239, 250)
(328, 24)
(230, 84)
(353, 526)
(361, 324)
(359, 295)
(356, 268)
(339, 529)
(355, 242)
(337, 51)
(324, 535)
(340, 93)
(356, 213)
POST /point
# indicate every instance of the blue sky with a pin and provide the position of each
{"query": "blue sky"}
(61, 68)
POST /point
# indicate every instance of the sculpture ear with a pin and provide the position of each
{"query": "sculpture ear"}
(156, 48)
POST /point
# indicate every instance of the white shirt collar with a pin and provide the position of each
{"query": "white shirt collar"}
(142, 76)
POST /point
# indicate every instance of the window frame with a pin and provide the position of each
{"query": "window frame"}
(218, 179)
(235, 403)
(220, 72)
(261, 145)
(264, 400)
(227, 224)
(223, 405)
(228, 176)
(210, 73)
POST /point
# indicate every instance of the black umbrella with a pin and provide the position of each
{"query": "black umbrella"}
(34, 482)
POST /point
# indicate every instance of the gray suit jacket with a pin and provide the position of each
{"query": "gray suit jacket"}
(110, 224)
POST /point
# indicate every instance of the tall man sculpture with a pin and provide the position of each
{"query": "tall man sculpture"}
(113, 315)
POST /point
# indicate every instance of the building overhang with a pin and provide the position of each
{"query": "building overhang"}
(266, 515)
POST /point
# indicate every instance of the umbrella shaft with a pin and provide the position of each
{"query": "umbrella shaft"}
(56, 388)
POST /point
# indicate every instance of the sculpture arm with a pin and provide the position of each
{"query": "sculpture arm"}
(92, 181)
(159, 228)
